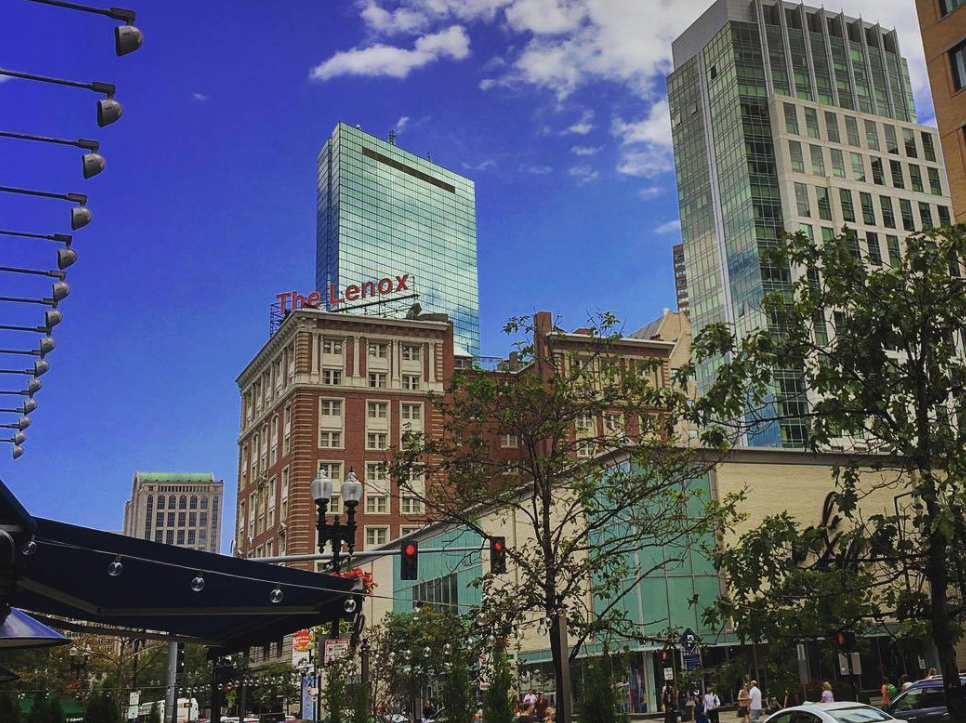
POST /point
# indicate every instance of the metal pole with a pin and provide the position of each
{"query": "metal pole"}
(170, 697)
(114, 13)
(105, 88)
(366, 553)
(75, 197)
(61, 237)
(84, 143)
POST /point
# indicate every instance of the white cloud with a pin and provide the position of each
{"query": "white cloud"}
(200, 97)
(402, 123)
(583, 126)
(481, 166)
(583, 174)
(388, 60)
(646, 143)
(401, 20)
(669, 227)
(585, 150)
(545, 17)
(538, 170)
(649, 192)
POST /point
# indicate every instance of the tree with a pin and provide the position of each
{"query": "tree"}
(335, 693)
(890, 376)
(102, 708)
(9, 708)
(586, 514)
(459, 704)
(499, 697)
(276, 683)
(361, 703)
(600, 700)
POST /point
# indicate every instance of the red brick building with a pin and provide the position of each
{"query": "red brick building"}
(333, 391)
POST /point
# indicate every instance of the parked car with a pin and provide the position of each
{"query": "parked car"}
(923, 702)
(830, 713)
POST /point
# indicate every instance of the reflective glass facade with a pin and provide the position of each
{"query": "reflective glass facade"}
(383, 211)
(755, 99)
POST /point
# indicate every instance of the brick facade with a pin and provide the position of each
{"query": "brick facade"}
(940, 34)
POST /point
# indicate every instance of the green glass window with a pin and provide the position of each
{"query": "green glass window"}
(928, 147)
(892, 244)
(925, 216)
(806, 228)
(818, 161)
(791, 118)
(944, 219)
(838, 162)
(811, 123)
(896, 168)
(875, 252)
(892, 144)
(848, 210)
(871, 135)
(868, 211)
(852, 241)
(795, 152)
(852, 131)
(909, 140)
(888, 214)
(905, 210)
(858, 167)
(801, 200)
(832, 127)
(935, 187)
(878, 176)
(827, 233)
(915, 178)
(824, 203)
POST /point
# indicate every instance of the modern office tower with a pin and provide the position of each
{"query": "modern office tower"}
(680, 278)
(176, 508)
(791, 117)
(943, 27)
(383, 211)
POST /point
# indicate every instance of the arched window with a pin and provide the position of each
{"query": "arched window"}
(193, 505)
(160, 502)
(204, 502)
(183, 502)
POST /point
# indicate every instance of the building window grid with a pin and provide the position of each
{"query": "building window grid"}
(818, 160)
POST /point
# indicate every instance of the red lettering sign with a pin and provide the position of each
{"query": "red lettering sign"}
(292, 300)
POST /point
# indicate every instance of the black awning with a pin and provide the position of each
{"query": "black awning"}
(242, 602)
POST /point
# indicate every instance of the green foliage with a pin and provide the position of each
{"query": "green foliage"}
(334, 694)
(9, 708)
(276, 682)
(102, 708)
(459, 704)
(46, 709)
(887, 374)
(499, 697)
(599, 700)
(588, 517)
(361, 704)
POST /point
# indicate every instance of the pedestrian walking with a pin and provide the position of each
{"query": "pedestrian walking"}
(530, 698)
(541, 706)
(744, 701)
(551, 715)
(711, 705)
(700, 713)
(754, 702)
(827, 696)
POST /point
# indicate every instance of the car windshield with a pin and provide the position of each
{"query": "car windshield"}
(857, 715)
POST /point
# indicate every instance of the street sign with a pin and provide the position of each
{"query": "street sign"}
(691, 661)
(301, 648)
(669, 674)
(335, 649)
(856, 663)
(843, 664)
(689, 641)
(133, 701)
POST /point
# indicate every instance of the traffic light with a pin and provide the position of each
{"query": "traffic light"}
(497, 555)
(845, 639)
(409, 569)
(180, 657)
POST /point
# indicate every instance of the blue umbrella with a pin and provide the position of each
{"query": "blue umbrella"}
(20, 630)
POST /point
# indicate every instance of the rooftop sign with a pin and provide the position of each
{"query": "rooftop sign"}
(292, 300)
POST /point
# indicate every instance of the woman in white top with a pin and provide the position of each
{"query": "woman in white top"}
(827, 696)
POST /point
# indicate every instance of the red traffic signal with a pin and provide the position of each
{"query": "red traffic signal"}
(409, 563)
(497, 555)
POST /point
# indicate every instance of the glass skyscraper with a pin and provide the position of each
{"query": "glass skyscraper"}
(383, 211)
(788, 117)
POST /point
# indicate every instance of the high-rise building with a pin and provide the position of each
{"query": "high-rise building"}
(943, 27)
(383, 211)
(176, 508)
(788, 117)
(680, 278)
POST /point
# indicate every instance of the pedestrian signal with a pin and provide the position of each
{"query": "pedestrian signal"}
(497, 555)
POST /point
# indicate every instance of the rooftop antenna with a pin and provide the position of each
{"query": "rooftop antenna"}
(392, 137)
(429, 157)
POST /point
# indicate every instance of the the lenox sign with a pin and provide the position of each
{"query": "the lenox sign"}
(354, 292)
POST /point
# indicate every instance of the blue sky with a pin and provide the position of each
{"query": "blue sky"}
(207, 208)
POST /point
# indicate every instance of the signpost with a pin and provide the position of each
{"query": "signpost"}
(335, 649)
(301, 648)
